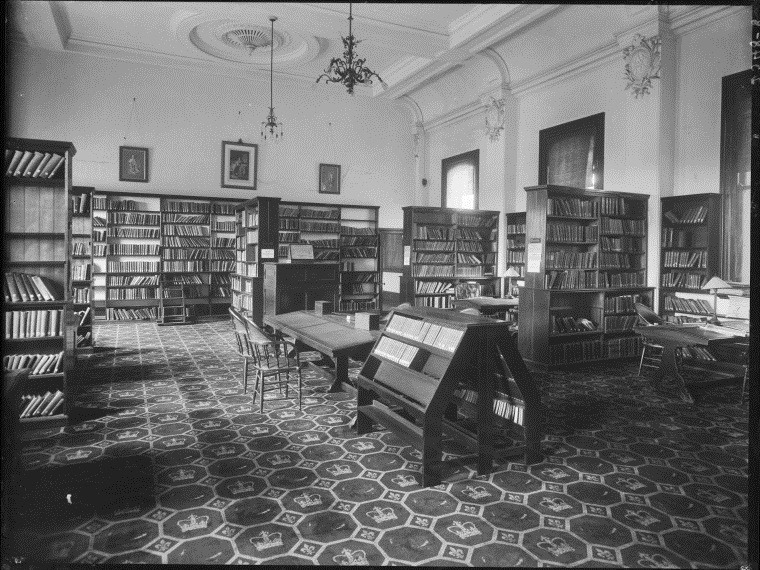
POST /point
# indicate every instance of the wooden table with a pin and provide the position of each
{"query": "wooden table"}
(667, 379)
(331, 335)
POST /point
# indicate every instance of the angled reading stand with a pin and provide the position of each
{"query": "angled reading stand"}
(452, 373)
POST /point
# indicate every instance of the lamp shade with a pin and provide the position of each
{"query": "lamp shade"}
(511, 272)
(716, 283)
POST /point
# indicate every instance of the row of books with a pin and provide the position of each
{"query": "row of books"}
(321, 227)
(622, 303)
(84, 339)
(685, 258)
(515, 228)
(471, 272)
(359, 278)
(571, 259)
(80, 203)
(570, 279)
(222, 265)
(575, 207)
(132, 218)
(622, 279)
(331, 214)
(623, 347)
(396, 351)
(512, 409)
(359, 252)
(623, 244)
(437, 302)
(515, 256)
(84, 316)
(80, 295)
(141, 233)
(425, 332)
(131, 294)
(223, 242)
(577, 351)
(106, 203)
(672, 237)
(358, 288)
(697, 306)
(571, 232)
(468, 233)
(183, 266)
(99, 222)
(179, 230)
(187, 279)
(353, 231)
(251, 218)
(433, 287)
(433, 270)
(434, 232)
(621, 226)
(620, 323)
(80, 248)
(173, 241)
(132, 266)
(328, 255)
(289, 211)
(130, 249)
(189, 291)
(185, 218)
(33, 324)
(27, 287)
(132, 280)
(358, 305)
(697, 353)
(564, 325)
(186, 207)
(617, 206)
(225, 227)
(433, 257)
(219, 291)
(221, 254)
(36, 363)
(615, 260)
(681, 279)
(143, 313)
(290, 237)
(32, 163)
(476, 220)
(288, 224)
(370, 241)
(695, 215)
(81, 272)
(47, 404)
(476, 246)
(186, 253)
(433, 245)
(487, 258)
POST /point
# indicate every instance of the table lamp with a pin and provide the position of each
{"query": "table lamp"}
(511, 272)
(713, 285)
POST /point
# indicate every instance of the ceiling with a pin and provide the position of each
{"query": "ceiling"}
(399, 41)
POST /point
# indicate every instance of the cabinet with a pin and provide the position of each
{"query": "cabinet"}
(585, 268)
(39, 324)
(295, 286)
(445, 248)
(690, 255)
(434, 372)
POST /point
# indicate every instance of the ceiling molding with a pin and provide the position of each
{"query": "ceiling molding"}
(576, 65)
(43, 24)
(691, 18)
(466, 111)
(425, 75)
(414, 109)
(501, 65)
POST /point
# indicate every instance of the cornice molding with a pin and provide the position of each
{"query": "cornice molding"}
(692, 18)
(466, 111)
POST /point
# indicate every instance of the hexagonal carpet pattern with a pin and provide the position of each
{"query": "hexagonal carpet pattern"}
(171, 463)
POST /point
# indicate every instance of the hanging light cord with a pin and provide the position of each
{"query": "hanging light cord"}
(131, 117)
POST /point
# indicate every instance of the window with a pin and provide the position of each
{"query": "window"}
(572, 154)
(459, 184)
(735, 141)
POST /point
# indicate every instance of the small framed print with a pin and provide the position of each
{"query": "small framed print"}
(329, 179)
(239, 163)
(133, 164)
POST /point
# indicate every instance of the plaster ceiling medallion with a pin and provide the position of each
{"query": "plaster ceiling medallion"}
(240, 40)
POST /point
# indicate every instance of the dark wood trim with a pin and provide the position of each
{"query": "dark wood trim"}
(470, 157)
(593, 123)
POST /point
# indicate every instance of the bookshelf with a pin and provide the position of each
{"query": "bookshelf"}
(39, 323)
(81, 265)
(142, 242)
(449, 373)
(690, 255)
(346, 234)
(585, 267)
(446, 247)
(256, 241)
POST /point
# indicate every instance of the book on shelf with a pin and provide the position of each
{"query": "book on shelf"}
(22, 164)
(11, 164)
(33, 163)
(52, 166)
(26, 287)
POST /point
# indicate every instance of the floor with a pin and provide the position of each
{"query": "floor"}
(173, 465)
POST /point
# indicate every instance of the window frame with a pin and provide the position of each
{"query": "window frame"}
(470, 157)
(591, 124)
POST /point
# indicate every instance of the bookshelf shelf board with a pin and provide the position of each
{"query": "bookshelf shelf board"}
(575, 334)
(115, 224)
(621, 234)
(82, 236)
(433, 294)
(515, 233)
(35, 234)
(87, 216)
(561, 217)
(80, 257)
(45, 419)
(12, 304)
(133, 302)
(220, 300)
(24, 181)
(35, 339)
(129, 211)
(133, 272)
(465, 278)
(167, 223)
(130, 286)
(561, 242)
(686, 269)
(37, 263)
(697, 248)
(129, 255)
(358, 220)
(622, 216)
(684, 290)
(669, 224)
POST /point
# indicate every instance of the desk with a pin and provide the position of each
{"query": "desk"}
(331, 335)
(667, 379)
(487, 305)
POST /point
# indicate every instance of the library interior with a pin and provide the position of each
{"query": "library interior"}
(385, 284)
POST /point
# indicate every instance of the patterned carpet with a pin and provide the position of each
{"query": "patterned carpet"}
(173, 465)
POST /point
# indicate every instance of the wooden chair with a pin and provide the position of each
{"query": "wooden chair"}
(651, 353)
(275, 362)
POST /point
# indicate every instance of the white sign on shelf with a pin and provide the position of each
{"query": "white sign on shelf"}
(534, 257)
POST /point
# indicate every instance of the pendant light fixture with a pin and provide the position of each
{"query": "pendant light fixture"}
(349, 70)
(270, 127)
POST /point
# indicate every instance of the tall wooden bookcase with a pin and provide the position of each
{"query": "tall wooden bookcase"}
(37, 241)
(690, 255)
(144, 241)
(445, 247)
(81, 265)
(586, 264)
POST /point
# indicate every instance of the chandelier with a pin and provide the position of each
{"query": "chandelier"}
(349, 70)
(270, 127)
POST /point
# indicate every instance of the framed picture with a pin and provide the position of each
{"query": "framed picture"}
(133, 164)
(329, 179)
(239, 162)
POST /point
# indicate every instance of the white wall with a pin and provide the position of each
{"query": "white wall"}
(183, 117)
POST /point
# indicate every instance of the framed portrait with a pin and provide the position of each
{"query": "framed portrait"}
(329, 179)
(133, 164)
(239, 163)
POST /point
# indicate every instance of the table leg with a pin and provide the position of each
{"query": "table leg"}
(667, 379)
(341, 374)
